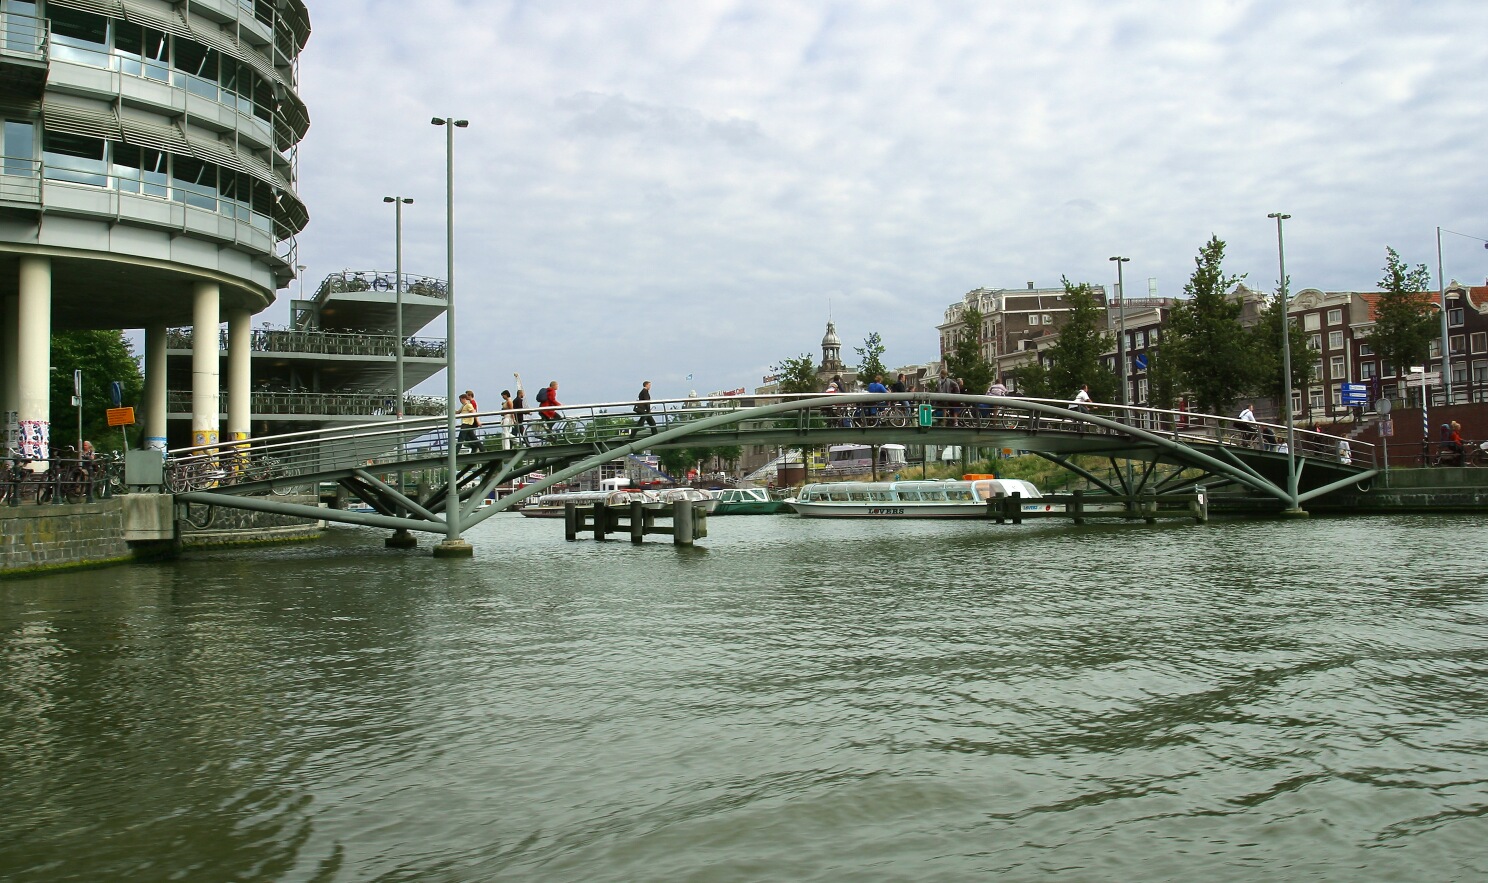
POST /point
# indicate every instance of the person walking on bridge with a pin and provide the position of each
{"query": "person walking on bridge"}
(643, 407)
(468, 422)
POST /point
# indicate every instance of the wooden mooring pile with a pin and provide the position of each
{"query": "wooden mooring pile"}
(689, 521)
(1079, 506)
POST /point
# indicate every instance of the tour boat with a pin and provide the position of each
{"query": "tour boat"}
(911, 499)
(745, 501)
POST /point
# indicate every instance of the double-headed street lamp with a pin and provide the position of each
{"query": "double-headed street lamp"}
(1121, 320)
(452, 546)
(1286, 369)
(398, 203)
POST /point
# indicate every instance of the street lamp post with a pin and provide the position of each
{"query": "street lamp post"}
(398, 203)
(453, 546)
(1286, 371)
(1121, 324)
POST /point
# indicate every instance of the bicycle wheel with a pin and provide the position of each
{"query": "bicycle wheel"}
(177, 478)
(896, 417)
(281, 487)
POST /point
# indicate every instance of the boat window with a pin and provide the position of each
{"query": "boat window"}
(909, 495)
(958, 494)
(858, 496)
(881, 496)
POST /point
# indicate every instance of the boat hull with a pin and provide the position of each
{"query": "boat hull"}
(902, 510)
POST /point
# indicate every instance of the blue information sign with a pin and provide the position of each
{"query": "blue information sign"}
(1355, 394)
(1141, 361)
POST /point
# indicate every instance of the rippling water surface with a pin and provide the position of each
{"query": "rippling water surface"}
(799, 700)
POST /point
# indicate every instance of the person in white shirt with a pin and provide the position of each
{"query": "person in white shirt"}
(1249, 433)
(1082, 399)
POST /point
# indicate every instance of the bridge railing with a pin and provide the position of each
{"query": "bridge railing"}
(611, 424)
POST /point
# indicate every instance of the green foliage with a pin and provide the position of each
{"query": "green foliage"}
(966, 361)
(1403, 325)
(797, 375)
(1162, 382)
(1208, 348)
(103, 356)
(1266, 359)
(1032, 381)
(870, 361)
(675, 461)
(1075, 359)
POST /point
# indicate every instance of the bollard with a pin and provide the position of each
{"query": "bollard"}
(637, 521)
(1077, 506)
(1149, 509)
(699, 521)
(1199, 507)
(682, 523)
(601, 522)
(570, 521)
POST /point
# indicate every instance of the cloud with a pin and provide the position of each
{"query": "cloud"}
(660, 189)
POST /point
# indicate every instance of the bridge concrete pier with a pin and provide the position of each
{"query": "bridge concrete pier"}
(454, 549)
(155, 398)
(401, 539)
(1298, 512)
(34, 356)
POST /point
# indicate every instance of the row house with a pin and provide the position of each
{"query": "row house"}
(1467, 352)
(1013, 320)
(1331, 320)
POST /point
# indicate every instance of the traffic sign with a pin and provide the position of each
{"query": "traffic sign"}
(120, 416)
(1427, 378)
(1141, 361)
(1355, 394)
(1387, 428)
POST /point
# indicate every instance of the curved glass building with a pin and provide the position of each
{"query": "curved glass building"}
(147, 179)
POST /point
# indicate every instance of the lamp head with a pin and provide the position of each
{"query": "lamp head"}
(438, 121)
(1118, 258)
(1278, 216)
(460, 124)
(388, 199)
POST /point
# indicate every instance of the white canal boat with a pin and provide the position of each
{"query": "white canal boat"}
(912, 499)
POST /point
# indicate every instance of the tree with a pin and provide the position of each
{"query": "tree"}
(1208, 348)
(1265, 343)
(797, 375)
(870, 364)
(1403, 324)
(966, 361)
(1075, 358)
(103, 357)
(1032, 381)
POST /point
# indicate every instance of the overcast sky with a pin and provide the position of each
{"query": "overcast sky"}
(649, 190)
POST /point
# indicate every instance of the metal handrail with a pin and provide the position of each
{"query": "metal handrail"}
(332, 343)
(612, 423)
(351, 281)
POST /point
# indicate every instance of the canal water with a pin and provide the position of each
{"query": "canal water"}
(792, 700)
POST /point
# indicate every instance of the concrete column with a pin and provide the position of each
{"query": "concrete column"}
(205, 354)
(239, 373)
(155, 399)
(34, 356)
(10, 390)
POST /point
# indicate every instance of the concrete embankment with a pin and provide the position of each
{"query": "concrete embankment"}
(1435, 489)
(39, 539)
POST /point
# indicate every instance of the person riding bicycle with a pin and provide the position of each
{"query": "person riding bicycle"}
(876, 386)
(1453, 453)
(1250, 433)
(548, 405)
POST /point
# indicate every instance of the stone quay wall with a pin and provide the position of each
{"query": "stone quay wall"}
(41, 538)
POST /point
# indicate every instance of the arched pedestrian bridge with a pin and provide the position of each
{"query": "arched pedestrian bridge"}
(1169, 452)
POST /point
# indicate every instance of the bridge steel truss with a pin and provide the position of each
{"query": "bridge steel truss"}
(1200, 450)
